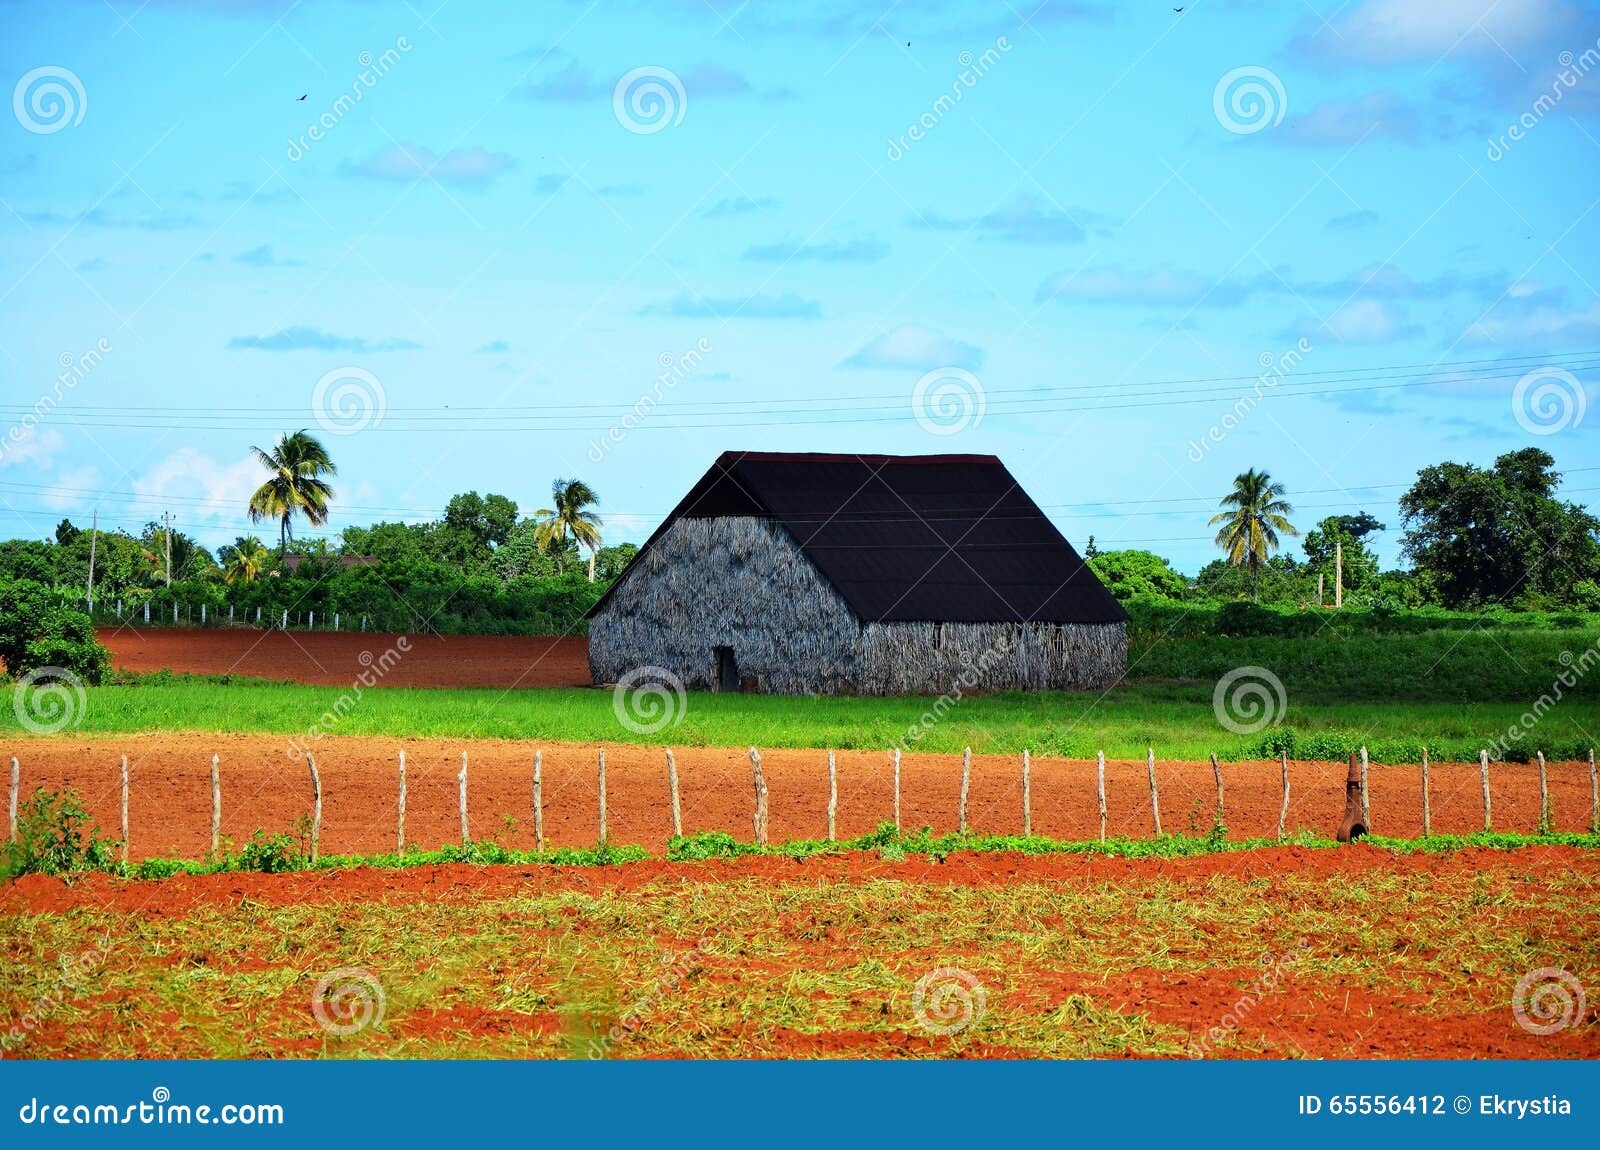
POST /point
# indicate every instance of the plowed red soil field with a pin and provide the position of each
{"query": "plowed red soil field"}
(264, 787)
(333, 658)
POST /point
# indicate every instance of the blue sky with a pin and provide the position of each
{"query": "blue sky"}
(1069, 234)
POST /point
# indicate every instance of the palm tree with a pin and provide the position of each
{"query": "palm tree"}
(296, 465)
(1253, 514)
(249, 559)
(570, 517)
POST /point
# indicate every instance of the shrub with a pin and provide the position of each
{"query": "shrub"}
(271, 854)
(55, 836)
(37, 630)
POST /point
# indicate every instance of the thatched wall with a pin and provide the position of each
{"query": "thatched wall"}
(740, 582)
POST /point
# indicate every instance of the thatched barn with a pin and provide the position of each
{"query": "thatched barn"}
(859, 574)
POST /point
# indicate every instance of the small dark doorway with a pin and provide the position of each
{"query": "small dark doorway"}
(727, 669)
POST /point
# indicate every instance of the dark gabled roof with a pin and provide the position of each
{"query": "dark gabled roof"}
(941, 538)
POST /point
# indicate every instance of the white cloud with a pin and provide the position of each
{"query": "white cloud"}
(918, 349)
(463, 167)
(1161, 286)
(187, 475)
(1405, 31)
(1366, 321)
(35, 446)
(70, 482)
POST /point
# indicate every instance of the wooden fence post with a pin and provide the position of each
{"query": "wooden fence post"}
(462, 780)
(16, 776)
(1544, 797)
(672, 785)
(1427, 805)
(1155, 800)
(1027, 803)
(538, 801)
(124, 810)
(896, 753)
(1216, 771)
(760, 819)
(1594, 796)
(604, 829)
(400, 821)
(966, 785)
(1483, 773)
(1366, 803)
(1100, 765)
(1283, 811)
(216, 806)
(316, 807)
(833, 797)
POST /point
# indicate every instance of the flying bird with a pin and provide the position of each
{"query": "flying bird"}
(1178, 10)
(302, 98)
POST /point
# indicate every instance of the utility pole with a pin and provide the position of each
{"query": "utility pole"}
(1319, 588)
(1338, 572)
(94, 539)
(166, 518)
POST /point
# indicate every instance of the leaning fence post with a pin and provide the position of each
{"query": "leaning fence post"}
(216, 805)
(316, 807)
(1594, 796)
(16, 775)
(462, 779)
(1544, 797)
(1027, 803)
(124, 810)
(603, 828)
(1155, 800)
(1427, 808)
(1366, 803)
(966, 784)
(833, 797)
(538, 801)
(1100, 771)
(1283, 811)
(760, 819)
(895, 753)
(1483, 773)
(400, 821)
(1217, 772)
(672, 785)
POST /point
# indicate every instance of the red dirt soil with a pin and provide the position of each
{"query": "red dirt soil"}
(334, 658)
(264, 787)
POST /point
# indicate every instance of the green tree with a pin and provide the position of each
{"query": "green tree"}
(296, 466)
(245, 560)
(1138, 575)
(1253, 514)
(570, 518)
(1346, 533)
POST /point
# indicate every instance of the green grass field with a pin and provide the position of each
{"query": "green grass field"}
(1177, 719)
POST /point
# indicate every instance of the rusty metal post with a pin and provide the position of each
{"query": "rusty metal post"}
(1353, 827)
